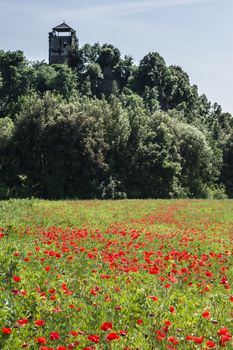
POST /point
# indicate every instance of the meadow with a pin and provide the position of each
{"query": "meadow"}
(130, 275)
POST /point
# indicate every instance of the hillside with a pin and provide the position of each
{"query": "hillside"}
(101, 126)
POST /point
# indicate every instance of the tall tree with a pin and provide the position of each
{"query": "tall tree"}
(15, 79)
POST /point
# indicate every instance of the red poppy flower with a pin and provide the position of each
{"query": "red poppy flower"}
(112, 336)
(160, 335)
(54, 335)
(72, 345)
(205, 314)
(16, 278)
(52, 290)
(75, 334)
(22, 322)
(198, 340)
(94, 338)
(41, 340)
(189, 337)
(172, 309)
(152, 297)
(210, 344)
(106, 326)
(6, 330)
(173, 340)
(139, 321)
(39, 322)
(223, 331)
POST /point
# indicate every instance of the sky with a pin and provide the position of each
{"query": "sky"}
(194, 34)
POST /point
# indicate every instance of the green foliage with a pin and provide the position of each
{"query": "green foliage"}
(102, 125)
(157, 157)
(112, 189)
(109, 56)
(15, 81)
(6, 132)
(199, 165)
(217, 192)
(57, 78)
(60, 147)
(227, 169)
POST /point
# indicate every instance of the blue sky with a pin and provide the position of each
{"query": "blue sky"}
(194, 34)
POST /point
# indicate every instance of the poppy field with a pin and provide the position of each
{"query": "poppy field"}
(130, 275)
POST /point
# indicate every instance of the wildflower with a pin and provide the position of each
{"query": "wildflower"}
(173, 340)
(198, 340)
(6, 330)
(205, 314)
(16, 278)
(224, 335)
(139, 322)
(94, 338)
(54, 335)
(152, 297)
(41, 340)
(39, 322)
(112, 336)
(172, 309)
(75, 334)
(210, 344)
(160, 335)
(22, 322)
(106, 326)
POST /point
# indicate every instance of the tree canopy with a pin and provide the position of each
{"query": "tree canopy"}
(102, 126)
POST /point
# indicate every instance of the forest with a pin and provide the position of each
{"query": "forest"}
(102, 126)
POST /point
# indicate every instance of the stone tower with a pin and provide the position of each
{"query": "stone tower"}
(62, 42)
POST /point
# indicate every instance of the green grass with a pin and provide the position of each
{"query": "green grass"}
(104, 260)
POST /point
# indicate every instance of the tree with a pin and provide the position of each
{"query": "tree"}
(179, 92)
(64, 81)
(227, 168)
(157, 158)
(109, 56)
(60, 147)
(117, 128)
(87, 54)
(44, 76)
(95, 75)
(123, 71)
(15, 81)
(199, 165)
(57, 78)
(6, 133)
(151, 73)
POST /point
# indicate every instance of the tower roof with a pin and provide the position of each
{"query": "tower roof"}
(63, 27)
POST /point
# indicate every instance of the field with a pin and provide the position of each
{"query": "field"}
(124, 275)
